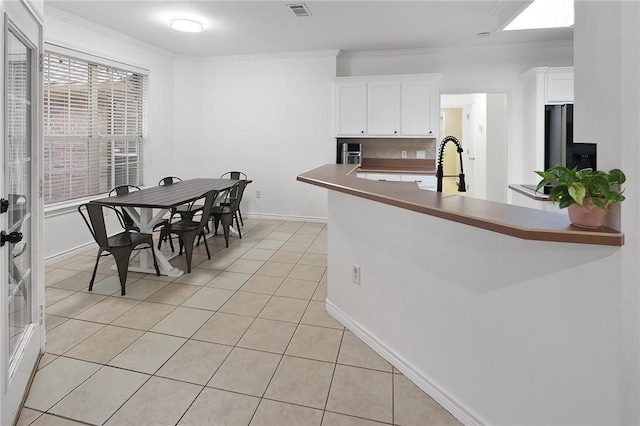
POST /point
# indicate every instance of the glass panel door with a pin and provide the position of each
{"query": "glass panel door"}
(17, 187)
(21, 322)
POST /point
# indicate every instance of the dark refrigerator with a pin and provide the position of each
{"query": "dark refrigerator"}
(559, 147)
(558, 133)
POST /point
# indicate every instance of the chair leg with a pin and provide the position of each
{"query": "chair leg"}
(188, 239)
(155, 260)
(206, 246)
(122, 262)
(95, 269)
(237, 224)
(216, 222)
(181, 244)
(164, 236)
(241, 221)
(226, 223)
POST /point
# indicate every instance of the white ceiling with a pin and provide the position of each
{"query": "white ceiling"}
(247, 27)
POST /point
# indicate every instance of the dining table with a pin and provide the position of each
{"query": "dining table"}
(148, 206)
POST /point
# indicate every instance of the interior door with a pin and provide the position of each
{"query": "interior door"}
(21, 269)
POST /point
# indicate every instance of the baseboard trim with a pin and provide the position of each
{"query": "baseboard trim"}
(268, 216)
(428, 386)
(67, 253)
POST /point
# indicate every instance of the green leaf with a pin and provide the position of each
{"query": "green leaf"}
(577, 191)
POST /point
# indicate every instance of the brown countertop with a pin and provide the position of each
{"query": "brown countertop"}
(520, 222)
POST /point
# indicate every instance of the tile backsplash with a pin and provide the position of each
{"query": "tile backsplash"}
(393, 147)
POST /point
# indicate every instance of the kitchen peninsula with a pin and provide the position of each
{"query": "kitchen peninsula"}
(492, 309)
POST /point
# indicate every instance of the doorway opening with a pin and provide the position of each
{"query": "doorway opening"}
(479, 122)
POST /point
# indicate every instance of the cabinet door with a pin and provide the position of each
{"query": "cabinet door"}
(351, 109)
(384, 109)
(559, 87)
(417, 109)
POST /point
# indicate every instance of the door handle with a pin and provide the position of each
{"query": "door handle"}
(12, 238)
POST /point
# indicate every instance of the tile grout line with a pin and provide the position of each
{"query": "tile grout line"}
(318, 283)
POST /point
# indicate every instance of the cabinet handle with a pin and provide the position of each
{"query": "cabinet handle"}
(362, 132)
(395, 132)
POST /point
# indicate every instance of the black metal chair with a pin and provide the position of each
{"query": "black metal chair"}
(169, 180)
(123, 190)
(228, 210)
(164, 230)
(237, 176)
(119, 245)
(188, 229)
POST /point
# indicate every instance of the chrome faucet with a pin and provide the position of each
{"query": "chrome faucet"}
(462, 186)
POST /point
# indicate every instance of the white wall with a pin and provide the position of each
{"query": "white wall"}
(497, 329)
(497, 146)
(607, 86)
(185, 151)
(270, 117)
(60, 231)
(471, 70)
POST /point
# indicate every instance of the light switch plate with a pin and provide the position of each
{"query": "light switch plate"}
(421, 154)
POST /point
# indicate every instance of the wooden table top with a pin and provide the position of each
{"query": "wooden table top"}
(168, 196)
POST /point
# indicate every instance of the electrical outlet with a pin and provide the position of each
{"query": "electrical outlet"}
(258, 194)
(404, 154)
(355, 273)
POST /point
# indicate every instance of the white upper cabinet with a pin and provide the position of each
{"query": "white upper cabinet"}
(351, 109)
(418, 99)
(558, 86)
(383, 117)
(394, 106)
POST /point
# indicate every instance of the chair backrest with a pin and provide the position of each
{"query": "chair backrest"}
(209, 199)
(169, 180)
(123, 190)
(233, 193)
(93, 215)
(234, 175)
(234, 196)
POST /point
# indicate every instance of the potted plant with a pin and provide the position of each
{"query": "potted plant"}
(587, 193)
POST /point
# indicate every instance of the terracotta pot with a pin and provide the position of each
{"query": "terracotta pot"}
(586, 216)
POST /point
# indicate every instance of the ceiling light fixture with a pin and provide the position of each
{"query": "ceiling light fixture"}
(544, 14)
(186, 25)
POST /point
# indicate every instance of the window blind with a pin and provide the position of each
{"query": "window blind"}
(94, 127)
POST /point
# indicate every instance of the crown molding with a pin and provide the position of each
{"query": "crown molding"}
(276, 55)
(69, 18)
(458, 49)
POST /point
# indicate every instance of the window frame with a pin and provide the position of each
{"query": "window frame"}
(103, 135)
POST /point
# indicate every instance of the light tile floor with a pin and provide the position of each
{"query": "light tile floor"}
(242, 340)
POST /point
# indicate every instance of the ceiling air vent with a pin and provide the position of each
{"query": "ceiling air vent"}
(300, 10)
